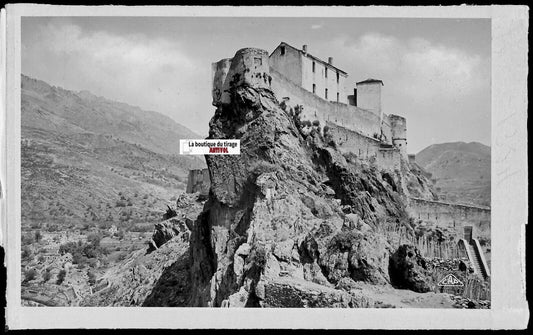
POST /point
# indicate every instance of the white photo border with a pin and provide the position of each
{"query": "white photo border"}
(509, 187)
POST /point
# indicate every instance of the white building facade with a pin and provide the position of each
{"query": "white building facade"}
(309, 72)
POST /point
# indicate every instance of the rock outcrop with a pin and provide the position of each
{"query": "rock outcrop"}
(159, 275)
(290, 218)
(409, 269)
(291, 221)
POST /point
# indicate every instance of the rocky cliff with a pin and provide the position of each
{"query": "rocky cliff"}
(290, 222)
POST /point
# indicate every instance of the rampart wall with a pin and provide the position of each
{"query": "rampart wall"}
(451, 215)
(364, 147)
(315, 108)
(249, 66)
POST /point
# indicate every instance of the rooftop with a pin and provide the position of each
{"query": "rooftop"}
(312, 57)
(370, 81)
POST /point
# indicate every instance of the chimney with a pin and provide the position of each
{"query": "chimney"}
(304, 48)
(330, 60)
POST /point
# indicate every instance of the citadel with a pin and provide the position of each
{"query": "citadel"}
(356, 122)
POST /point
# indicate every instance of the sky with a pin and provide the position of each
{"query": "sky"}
(436, 72)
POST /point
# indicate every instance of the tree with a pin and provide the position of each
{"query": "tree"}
(61, 277)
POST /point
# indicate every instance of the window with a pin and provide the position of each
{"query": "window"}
(313, 66)
(337, 96)
(314, 88)
(326, 93)
(258, 61)
(337, 77)
(282, 50)
(326, 72)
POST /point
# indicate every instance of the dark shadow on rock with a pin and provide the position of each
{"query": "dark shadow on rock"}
(173, 288)
(408, 270)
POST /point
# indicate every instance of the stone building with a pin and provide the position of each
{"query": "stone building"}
(357, 123)
(368, 93)
(310, 72)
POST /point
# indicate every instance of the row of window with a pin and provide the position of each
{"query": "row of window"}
(326, 72)
(282, 52)
(325, 93)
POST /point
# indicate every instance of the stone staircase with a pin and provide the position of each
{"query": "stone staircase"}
(475, 261)
(473, 250)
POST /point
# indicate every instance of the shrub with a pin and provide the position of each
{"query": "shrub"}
(306, 123)
(316, 123)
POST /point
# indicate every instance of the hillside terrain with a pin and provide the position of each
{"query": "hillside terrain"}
(461, 170)
(89, 160)
(91, 167)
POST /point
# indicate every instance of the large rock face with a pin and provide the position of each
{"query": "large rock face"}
(409, 269)
(290, 222)
(158, 275)
(289, 218)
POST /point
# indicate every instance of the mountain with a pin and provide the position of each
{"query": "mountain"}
(56, 109)
(87, 160)
(461, 170)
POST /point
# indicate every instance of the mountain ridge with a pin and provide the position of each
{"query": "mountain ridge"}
(85, 155)
(462, 171)
(97, 114)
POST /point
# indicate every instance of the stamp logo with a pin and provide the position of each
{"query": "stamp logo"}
(450, 280)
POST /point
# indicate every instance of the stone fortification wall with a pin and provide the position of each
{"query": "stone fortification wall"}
(364, 147)
(220, 90)
(249, 66)
(199, 181)
(399, 133)
(315, 108)
(289, 63)
(450, 215)
(389, 159)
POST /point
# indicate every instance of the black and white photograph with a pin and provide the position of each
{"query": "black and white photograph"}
(276, 161)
